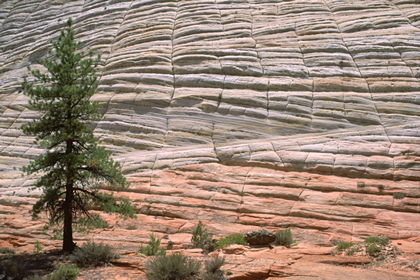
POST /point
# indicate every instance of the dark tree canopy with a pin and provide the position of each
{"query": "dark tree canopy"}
(73, 165)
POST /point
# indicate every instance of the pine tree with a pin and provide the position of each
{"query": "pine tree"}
(73, 165)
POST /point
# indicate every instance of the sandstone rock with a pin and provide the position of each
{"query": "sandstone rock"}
(234, 249)
(245, 115)
(259, 237)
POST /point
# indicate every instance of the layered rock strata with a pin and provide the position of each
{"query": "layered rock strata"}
(281, 113)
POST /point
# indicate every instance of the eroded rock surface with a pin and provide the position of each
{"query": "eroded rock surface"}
(243, 114)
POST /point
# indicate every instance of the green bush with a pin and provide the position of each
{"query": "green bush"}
(63, 272)
(381, 240)
(398, 195)
(152, 249)
(90, 222)
(212, 269)
(200, 236)
(170, 245)
(37, 247)
(13, 269)
(92, 254)
(373, 250)
(284, 238)
(361, 184)
(351, 251)
(236, 238)
(57, 234)
(124, 207)
(344, 245)
(6, 251)
(172, 267)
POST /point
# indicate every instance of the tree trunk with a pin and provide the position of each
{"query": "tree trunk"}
(68, 244)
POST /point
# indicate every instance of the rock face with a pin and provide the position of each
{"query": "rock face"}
(299, 114)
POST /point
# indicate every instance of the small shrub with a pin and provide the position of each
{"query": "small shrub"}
(209, 246)
(172, 267)
(92, 254)
(13, 269)
(381, 187)
(361, 184)
(131, 227)
(373, 250)
(336, 241)
(381, 240)
(200, 236)
(351, 251)
(57, 234)
(63, 272)
(236, 238)
(93, 221)
(344, 245)
(170, 245)
(152, 249)
(212, 269)
(7, 251)
(398, 195)
(37, 247)
(108, 204)
(284, 238)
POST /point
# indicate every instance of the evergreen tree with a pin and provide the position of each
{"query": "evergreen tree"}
(73, 165)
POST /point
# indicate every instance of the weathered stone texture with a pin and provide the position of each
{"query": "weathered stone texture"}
(328, 88)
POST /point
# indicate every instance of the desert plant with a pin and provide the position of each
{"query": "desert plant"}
(57, 234)
(398, 195)
(336, 241)
(212, 269)
(172, 267)
(373, 250)
(93, 254)
(170, 245)
(152, 249)
(63, 272)
(12, 269)
(37, 247)
(381, 240)
(6, 251)
(200, 236)
(236, 238)
(352, 250)
(124, 208)
(361, 184)
(93, 221)
(284, 238)
(344, 245)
